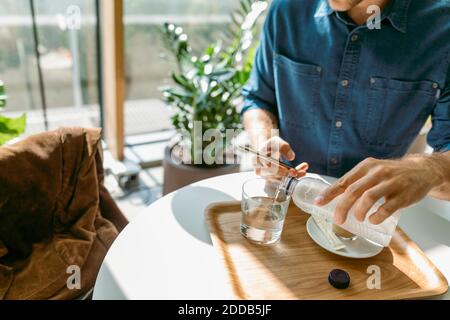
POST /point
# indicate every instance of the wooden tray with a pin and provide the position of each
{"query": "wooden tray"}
(297, 268)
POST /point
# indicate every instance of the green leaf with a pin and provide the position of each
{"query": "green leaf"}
(177, 92)
(11, 127)
(210, 50)
(183, 81)
(2, 101)
(246, 7)
(2, 95)
(225, 75)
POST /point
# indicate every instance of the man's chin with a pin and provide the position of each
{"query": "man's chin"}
(343, 5)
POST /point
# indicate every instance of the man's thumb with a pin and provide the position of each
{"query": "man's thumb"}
(286, 151)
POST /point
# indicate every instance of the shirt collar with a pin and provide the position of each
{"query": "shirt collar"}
(323, 9)
(398, 14)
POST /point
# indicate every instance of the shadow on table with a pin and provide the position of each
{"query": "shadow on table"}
(190, 201)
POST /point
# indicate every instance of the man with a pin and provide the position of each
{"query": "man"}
(346, 94)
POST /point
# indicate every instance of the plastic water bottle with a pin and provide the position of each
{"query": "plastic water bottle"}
(305, 190)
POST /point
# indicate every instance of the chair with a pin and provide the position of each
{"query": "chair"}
(55, 213)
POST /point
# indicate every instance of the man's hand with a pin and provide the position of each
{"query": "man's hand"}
(260, 126)
(277, 148)
(400, 182)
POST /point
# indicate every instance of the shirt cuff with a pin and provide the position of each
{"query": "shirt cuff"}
(443, 149)
(251, 105)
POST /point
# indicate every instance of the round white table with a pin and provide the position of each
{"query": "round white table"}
(167, 253)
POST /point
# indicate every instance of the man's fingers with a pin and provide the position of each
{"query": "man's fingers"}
(297, 173)
(267, 166)
(331, 192)
(300, 170)
(301, 174)
(386, 210)
(342, 184)
(368, 200)
(273, 171)
(278, 147)
(350, 196)
(287, 152)
(302, 167)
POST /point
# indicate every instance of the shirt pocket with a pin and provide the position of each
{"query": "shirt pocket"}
(297, 87)
(397, 111)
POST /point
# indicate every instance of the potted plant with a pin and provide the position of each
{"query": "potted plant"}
(206, 95)
(10, 128)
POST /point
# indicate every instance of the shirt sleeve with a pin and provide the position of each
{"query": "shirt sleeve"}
(439, 136)
(259, 92)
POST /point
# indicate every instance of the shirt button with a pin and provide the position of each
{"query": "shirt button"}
(372, 80)
(354, 38)
(319, 69)
(338, 124)
(344, 83)
(435, 85)
(334, 160)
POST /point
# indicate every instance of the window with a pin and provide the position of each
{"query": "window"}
(148, 66)
(68, 48)
(69, 58)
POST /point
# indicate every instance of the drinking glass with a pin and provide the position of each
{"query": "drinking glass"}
(263, 217)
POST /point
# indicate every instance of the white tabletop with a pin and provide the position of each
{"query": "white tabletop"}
(167, 253)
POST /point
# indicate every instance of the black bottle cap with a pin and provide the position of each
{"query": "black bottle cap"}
(339, 279)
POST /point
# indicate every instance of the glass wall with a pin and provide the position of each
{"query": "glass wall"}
(67, 36)
(17, 60)
(148, 65)
(68, 48)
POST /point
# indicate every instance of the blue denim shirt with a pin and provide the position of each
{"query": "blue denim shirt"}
(343, 92)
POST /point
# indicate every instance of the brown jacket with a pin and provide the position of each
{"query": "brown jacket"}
(54, 213)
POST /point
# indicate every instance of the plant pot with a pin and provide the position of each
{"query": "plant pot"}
(178, 175)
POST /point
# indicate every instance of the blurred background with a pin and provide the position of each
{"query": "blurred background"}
(66, 87)
(70, 58)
